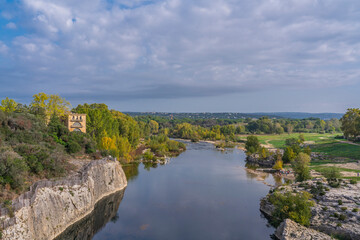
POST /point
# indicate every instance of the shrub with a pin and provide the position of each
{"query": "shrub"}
(293, 206)
(342, 217)
(331, 173)
(278, 165)
(73, 147)
(340, 202)
(13, 169)
(334, 183)
(343, 208)
(353, 181)
(355, 210)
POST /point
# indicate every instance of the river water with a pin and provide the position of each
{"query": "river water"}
(202, 194)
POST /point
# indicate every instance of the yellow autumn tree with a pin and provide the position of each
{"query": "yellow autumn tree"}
(154, 126)
(108, 143)
(124, 148)
(278, 163)
(8, 105)
(51, 104)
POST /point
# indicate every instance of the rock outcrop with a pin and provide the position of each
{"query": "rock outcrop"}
(52, 206)
(336, 210)
(290, 230)
(256, 161)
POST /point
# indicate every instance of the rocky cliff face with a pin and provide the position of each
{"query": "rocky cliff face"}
(51, 206)
(290, 230)
(105, 211)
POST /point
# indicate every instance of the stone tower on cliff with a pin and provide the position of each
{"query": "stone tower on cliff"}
(76, 122)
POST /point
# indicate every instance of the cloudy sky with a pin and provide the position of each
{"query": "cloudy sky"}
(184, 55)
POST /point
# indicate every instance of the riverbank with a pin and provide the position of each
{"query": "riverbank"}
(335, 210)
(50, 207)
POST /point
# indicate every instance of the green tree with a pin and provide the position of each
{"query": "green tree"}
(301, 167)
(8, 105)
(294, 206)
(57, 105)
(350, 123)
(154, 126)
(289, 155)
(252, 145)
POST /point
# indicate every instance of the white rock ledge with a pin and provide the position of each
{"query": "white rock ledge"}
(52, 206)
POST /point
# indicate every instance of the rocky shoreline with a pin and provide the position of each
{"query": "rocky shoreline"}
(50, 207)
(335, 211)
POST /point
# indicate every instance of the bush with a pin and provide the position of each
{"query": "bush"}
(278, 165)
(353, 181)
(294, 206)
(13, 169)
(334, 183)
(342, 217)
(355, 210)
(73, 147)
(331, 173)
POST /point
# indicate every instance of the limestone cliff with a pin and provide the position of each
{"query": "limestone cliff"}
(290, 230)
(51, 206)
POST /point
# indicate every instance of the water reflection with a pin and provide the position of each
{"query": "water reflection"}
(105, 210)
(202, 194)
(131, 171)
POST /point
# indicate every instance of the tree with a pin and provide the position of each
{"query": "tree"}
(278, 163)
(57, 105)
(8, 105)
(154, 126)
(252, 145)
(38, 105)
(49, 105)
(301, 167)
(289, 155)
(350, 123)
(289, 128)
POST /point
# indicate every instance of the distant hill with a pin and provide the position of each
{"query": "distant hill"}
(229, 115)
(302, 115)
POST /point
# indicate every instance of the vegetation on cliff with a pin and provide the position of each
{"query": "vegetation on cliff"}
(31, 149)
(296, 206)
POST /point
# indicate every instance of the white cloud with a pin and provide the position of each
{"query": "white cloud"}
(3, 48)
(11, 25)
(218, 44)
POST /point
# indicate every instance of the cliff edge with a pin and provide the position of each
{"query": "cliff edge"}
(50, 207)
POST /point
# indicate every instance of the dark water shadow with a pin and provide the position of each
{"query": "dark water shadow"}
(105, 210)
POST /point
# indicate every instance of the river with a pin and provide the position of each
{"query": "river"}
(202, 194)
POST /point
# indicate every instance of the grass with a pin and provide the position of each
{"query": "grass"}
(354, 178)
(322, 162)
(278, 141)
(340, 150)
(320, 169)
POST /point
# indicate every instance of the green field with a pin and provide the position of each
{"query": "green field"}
(322, 168)
(278, 141)
(338, 150)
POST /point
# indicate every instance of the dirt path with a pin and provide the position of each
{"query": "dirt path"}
(349, 142)
(267, 144)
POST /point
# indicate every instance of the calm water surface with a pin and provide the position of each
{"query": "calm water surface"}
(202, 194)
